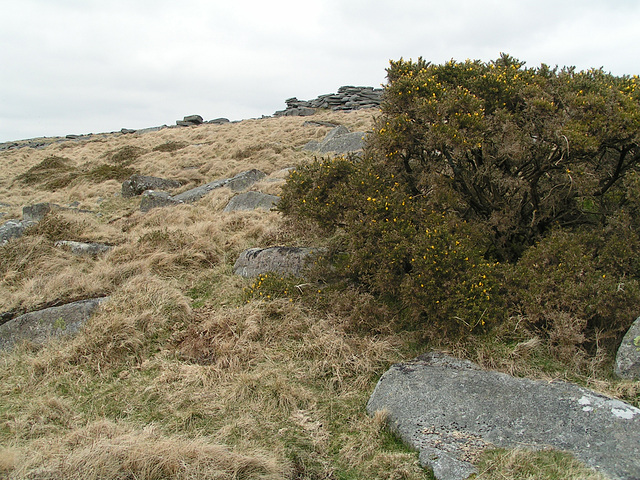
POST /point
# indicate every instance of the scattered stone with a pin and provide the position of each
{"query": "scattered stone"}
(38, 327)
(244, 180)
(154, 199)
(73, 137)
(12, 229)
(127, 131)
(450, 410)
(252, 201)
(317, 123)
(31, 214)
(190, 120)
(82, 248)
(9, 146)
(151, 129)
(628, 356)
(35, 213)
(282, 260)
(218, 121)
(136, 184)
(338, 140)
(197, 119)
(197, 193)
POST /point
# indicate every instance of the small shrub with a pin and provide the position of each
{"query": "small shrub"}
(104, 172)
(55, 227)
(247, 152)
(269, 286)
(126, 155)
(431, 261)
(52, 174)
(170, 146)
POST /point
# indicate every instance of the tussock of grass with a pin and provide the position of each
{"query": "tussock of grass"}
(125, 155)
(52, 173)
(136, 320)
(518, 464)
(107, 451)
(170, 146)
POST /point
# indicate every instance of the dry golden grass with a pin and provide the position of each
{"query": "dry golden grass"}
(105, 450)
(178, 376)
(520, 464)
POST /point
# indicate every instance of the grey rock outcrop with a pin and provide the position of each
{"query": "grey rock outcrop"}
(12, 229)
(628, 356)
(136, 184)
(152, 199)
(82, 248)
(190, 120)
(195, 194)
(31, 214)
(242, 181)
(282, 260)
(252, 201)
(35, 213)
(239, 182)
(338, 140)
(347, 98)
(38, 327)
(218, 121)
(450, 410)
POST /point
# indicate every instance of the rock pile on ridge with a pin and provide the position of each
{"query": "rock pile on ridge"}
(347, 98)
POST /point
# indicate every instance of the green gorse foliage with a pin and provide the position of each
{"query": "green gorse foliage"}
(475, 182)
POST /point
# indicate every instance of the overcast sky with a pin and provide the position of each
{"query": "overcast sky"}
(82, 66)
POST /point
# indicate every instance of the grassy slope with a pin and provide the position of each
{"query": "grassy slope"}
(181, 376)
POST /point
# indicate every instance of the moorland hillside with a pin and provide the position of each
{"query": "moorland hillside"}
(190, 371)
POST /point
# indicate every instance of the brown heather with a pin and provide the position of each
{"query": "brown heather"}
(179, 376)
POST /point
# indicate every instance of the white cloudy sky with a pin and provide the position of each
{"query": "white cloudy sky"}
(80, 66)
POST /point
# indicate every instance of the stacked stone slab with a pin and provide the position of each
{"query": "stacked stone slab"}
(347, 98)
(190, 120)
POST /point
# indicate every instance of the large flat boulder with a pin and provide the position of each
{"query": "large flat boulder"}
(283, 260)
(38, 327)
(450, 410)
(628, 356)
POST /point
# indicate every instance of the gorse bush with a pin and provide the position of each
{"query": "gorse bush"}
(487, 192)
(521, 149)
(428, 260)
